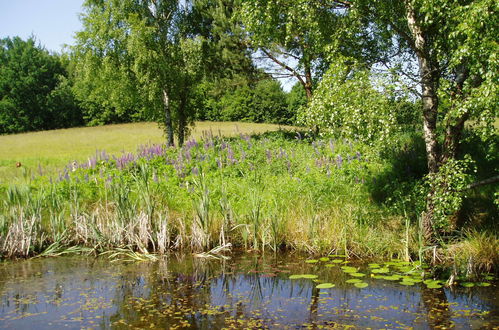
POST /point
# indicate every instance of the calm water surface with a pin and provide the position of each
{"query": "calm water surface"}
(247, 291)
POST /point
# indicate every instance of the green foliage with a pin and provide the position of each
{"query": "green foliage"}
(346, 105)
(449, 187)
(35, 92)
(263, 103)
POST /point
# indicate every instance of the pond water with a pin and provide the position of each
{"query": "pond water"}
(246, 291)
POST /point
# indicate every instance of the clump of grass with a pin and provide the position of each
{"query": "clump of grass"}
(477, 252)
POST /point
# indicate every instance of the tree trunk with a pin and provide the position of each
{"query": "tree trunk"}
(182, 121)
(168, 120)
(308, 80)
(429, 74)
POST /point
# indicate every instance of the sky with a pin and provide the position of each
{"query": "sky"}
(52, 22)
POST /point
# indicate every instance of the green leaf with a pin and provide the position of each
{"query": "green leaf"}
(361, 285)
(325, 286)
(354, 280)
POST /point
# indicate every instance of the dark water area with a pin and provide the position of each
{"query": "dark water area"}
(246, 291)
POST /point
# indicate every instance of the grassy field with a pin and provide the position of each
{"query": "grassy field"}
(54, 149)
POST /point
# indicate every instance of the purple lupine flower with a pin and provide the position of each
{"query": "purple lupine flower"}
(288, 164)
(339, 161)
(223, 145)
(230, 155)
(331, 146)
(195, 171)
(358, 155)
(86, 177)
(268, 153)
(219, 163)
(66, 176)
(188, 155)
(317, 152)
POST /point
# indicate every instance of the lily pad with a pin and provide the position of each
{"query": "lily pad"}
(468, 284)
(433, 285)
(354, 280)
(483, 284)
(361, 285)
(309, 276)
(373, 265)
(380, 270)
(404, 282)
(348, 269)
(325, 259)
(329, 265)
(295, 277)
(337, 261)
(311, 261)
(357, 274)
(392, 278)
(489, 278)
(325, 286)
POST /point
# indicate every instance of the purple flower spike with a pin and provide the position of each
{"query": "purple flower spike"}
(358, 155)
(331, 146)
(339, 161)
(195, 171)
(268, 153)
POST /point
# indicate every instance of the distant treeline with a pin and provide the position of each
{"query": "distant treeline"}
(38, 92)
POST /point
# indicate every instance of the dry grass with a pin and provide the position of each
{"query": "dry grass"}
(54, 149)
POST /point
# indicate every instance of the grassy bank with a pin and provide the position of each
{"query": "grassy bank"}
(267, 192)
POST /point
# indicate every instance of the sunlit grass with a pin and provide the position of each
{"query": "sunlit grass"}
(54, 149)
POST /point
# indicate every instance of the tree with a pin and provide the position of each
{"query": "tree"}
(455, 46)
(138, 53)
(298, 37)
(35, 93)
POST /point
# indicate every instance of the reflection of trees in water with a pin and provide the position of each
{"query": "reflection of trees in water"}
(437, 308)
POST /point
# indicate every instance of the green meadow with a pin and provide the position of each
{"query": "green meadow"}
(53, 149)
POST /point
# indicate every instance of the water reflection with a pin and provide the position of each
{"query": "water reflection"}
(251, 291)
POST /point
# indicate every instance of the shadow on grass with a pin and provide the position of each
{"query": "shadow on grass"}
(399, 186)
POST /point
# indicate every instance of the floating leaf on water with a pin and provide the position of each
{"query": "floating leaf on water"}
(337, 261)
(361, 285)
(468, 284)
(325, 286)
(357, 274)
(354, 280)
(405, 282)
(309, 276)
(373, 265)
(325, 259)
(295, 277)
(380, 270)
(416, 280)
(329, 265)
(311, 261)
(392, 278)
(348, 269)
(483, 284)
(433, 285)
(489, 278)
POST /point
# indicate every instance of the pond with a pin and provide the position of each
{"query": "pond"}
(245, 291)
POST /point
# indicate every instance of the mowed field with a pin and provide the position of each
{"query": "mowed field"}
(52, 150)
